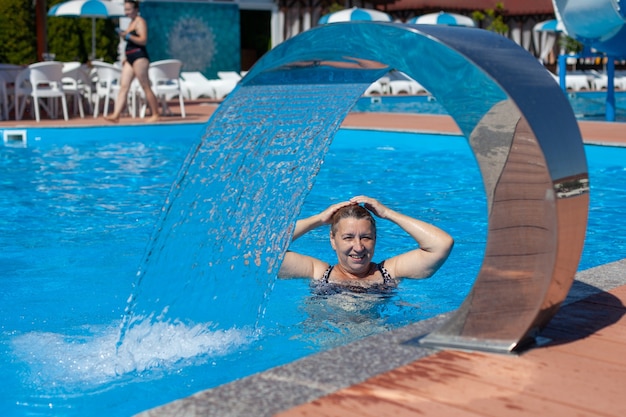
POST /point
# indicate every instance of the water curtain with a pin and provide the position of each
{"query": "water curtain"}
(227, 219)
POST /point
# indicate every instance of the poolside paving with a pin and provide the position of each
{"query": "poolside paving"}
(580, 371)
(199, 111)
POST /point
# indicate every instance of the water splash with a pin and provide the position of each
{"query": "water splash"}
(90, 359)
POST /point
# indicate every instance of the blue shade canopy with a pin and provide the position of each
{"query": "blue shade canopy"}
(88, 8)
(551, 25)
(442, 18)
(354, 14)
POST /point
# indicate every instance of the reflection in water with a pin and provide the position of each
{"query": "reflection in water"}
(572, 186)
(336, 318)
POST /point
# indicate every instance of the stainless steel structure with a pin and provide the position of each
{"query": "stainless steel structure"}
(518, 123)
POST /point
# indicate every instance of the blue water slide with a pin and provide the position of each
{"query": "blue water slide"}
(600, 24)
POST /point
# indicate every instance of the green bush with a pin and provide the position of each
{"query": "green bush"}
(18, 41)
(570, 44)
(493, 19)
(69, 38)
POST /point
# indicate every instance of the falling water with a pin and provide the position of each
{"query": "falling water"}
(229, 216)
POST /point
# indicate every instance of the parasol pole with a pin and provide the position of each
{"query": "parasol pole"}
(93, 38)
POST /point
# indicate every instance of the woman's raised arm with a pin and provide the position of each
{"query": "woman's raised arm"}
(434, 244)
(295, 265)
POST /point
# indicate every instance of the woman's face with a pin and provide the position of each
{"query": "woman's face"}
(354, 242)
(130, 10)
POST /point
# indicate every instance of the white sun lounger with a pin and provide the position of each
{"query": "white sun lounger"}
(400, 83)
(574, 82)
(226, 83)
(601, 80)
(375, 89)
(229, 75)
(195, 85)
(394, 83)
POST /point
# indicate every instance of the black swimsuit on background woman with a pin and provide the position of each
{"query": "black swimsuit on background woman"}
(135, 51)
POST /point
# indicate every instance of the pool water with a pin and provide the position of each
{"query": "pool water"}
(78, 213)
(587, 105)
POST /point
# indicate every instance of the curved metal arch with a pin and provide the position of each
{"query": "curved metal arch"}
(518, 124)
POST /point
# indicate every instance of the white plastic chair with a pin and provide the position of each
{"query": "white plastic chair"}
(107, 78)
(384, 84)
(76, 83)
(8, 74)
(165, 80)
(600, 81)
(400, 83)
(40, 80)
(374, 89)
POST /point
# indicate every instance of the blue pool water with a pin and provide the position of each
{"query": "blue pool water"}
(587, 105)
(78, 211)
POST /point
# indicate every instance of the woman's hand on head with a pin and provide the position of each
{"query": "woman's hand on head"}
(326, 216)
(373, 205)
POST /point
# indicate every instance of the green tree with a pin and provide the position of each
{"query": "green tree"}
(18, 39)
(493, 18)
(335, 7)
(69, 38)
(570, 44)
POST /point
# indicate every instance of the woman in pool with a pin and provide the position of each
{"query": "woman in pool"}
(136, 63)
(353, 237)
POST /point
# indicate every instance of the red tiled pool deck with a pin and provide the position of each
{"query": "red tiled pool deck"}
(580, 371)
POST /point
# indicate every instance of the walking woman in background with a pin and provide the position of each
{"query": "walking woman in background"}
(136, 63)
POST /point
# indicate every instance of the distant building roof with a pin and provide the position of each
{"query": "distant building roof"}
(511, 7)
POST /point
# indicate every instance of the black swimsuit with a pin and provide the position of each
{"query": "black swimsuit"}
(387, 285)
(135, 51)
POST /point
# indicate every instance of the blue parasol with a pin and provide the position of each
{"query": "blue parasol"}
(89, 8)
(355, 14)
(551, 25)
(443, 18)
